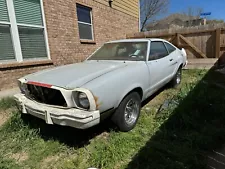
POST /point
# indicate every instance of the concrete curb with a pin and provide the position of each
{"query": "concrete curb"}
(9, 92)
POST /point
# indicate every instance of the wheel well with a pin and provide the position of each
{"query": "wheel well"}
(180, 67)
(138, 90)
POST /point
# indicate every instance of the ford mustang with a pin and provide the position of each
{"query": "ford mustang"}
(111, 83)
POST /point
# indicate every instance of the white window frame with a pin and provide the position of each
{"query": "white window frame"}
(85, 23)
(15, 33)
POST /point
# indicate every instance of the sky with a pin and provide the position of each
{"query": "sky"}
(216, 7)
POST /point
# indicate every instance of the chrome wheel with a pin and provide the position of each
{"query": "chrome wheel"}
(178, 78)
(131, 112)
(128, 112)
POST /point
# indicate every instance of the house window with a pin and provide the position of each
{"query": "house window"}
(6, 46)
(84, 16)
(22, 30)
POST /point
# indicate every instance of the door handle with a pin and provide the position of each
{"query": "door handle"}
(171, 60)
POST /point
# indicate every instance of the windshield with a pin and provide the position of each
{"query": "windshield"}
(131, 51)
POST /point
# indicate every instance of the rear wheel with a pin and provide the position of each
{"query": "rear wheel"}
(177, 78)
(127, 114)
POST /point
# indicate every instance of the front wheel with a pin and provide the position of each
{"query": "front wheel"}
(177, 78)
(127, 114)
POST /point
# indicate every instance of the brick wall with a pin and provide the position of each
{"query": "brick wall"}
(10, 75)
(64, 43)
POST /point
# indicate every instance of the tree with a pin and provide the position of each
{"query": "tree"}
(193, 13)
(151, 8)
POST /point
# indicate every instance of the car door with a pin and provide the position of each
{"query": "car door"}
(173, 58)
(159, 65)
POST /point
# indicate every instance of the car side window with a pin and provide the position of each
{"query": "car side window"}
(169, 47)
(157, 50)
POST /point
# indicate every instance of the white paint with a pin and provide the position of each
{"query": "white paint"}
(55, 115)
(45, 29)
(14, 31)
(29, 25)
(5, 23)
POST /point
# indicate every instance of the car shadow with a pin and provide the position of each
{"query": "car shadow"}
(145, 102)
(194, 128)
(67, 135)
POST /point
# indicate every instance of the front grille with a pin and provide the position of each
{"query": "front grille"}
(46, 95)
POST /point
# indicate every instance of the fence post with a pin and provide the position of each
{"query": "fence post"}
(217, 43)
(177, 39)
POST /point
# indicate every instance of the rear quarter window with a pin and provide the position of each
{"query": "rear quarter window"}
(169, 47)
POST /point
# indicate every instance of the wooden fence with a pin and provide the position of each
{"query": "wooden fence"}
(199, 42)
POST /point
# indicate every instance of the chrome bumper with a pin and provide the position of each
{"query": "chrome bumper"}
(55, 115)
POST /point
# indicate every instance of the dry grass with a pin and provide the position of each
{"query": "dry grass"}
(19, 157)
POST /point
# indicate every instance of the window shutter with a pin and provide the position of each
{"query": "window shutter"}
(6, 47)
(32, 42)
(3, 11)
(28, 12)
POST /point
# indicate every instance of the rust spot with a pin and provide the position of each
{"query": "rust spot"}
(96, 102)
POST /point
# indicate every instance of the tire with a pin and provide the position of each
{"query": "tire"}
(177, 78)
(128, 112)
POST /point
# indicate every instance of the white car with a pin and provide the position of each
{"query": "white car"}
(112, 82)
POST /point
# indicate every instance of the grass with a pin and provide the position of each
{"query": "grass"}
(175, 137)
(7, 103)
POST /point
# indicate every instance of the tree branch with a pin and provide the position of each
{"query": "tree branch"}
(151, 8)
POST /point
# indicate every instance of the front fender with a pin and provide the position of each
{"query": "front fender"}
(128, 90)
(111, 88)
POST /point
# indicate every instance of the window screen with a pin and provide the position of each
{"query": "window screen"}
(83, 14)
(85, 31)
(6, 46)
(3, 11)
(28, 12)
(169, 47)
(157, 50)
(32, 42)
(84, 22)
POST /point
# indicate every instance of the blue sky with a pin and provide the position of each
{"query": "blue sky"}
(217, 7)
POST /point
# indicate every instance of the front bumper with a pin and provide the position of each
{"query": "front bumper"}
(56, 115)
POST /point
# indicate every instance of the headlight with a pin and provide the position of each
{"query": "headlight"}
(82, 100)
(22, 86)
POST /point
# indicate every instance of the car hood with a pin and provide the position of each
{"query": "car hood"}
(75, 75)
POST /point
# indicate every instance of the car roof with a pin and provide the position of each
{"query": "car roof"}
(138, 40)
